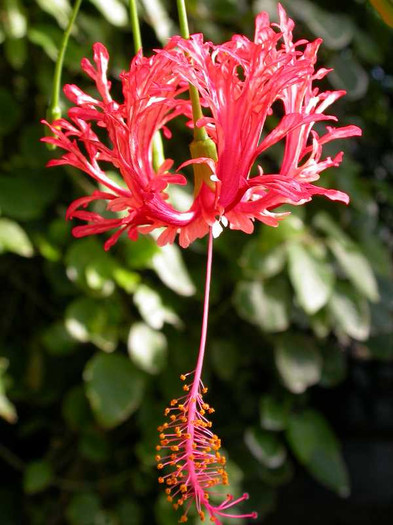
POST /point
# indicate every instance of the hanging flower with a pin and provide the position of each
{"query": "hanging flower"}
(150, 91)
(243, 83)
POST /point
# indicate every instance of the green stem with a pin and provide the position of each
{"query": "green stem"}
(136, 31)
(199, 133)
(183, 21)
(54, 111)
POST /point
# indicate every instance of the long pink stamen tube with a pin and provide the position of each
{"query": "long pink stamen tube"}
(188, 449)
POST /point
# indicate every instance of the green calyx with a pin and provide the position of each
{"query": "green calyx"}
(203, 172)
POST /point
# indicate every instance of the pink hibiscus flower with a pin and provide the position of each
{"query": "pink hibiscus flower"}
(242, 83)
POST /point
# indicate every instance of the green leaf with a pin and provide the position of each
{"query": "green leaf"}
(260, 263)
(225, 358)
(274, 412)
(316, 447)
(84, 509)
(41, 35)
(89, 320)
(14, 239)
(349, 256)
(113, 387)
(334, 367)
(350, 313)
(299, 362)
(25, 194)
(356, 267)
(170, 268)
(159, 20)
(336, 29)
(147, 348)
(57, 340)
(16, 52)
(350, 75)
(75, 408)
(59, 9)
(90, 266)
(126, 279)
(265, 305)
(14, 18)
(266, 447)
(7, 409)
(113, 10)
(37, 476)
(311, 278)
(94, 446)
(152, 309)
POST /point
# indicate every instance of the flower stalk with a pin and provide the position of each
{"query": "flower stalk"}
(54, 110)
(136, 31)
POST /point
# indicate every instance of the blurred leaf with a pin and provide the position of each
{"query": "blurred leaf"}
(75, 408)
(16, 52)
(14, 239)
(126, 279)
(260, 263)
(139, 253)
(356, 267)
(129, 512)
(381, 346)
(15, 22)
(274, 412)
(385, 9)
(89, 320)
(90, 266)
(265, 305)
(311, 278)
(113, 10)
(147, 348)
(37, 476)
(25, 194)
(348, 74)
(334, 28)
(84, 509)
(94, 446)
(349, 256)
(350, 313)
(158, 18)
(316, 447)
(225, 358)
(299, 362)
(42, 35)
(266, 447)
(113, 387)
(10, 111)
(57, 340)
(59, 9)
(152, 310)
(170, 268)
(334, 367)
(7, 409)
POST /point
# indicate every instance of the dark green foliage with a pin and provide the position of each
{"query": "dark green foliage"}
(92, 343)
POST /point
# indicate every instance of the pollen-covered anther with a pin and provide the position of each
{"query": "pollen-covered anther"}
(195, 465)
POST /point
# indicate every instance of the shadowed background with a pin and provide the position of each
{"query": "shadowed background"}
(92, 343)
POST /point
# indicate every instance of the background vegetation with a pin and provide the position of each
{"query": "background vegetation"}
(92, 344)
